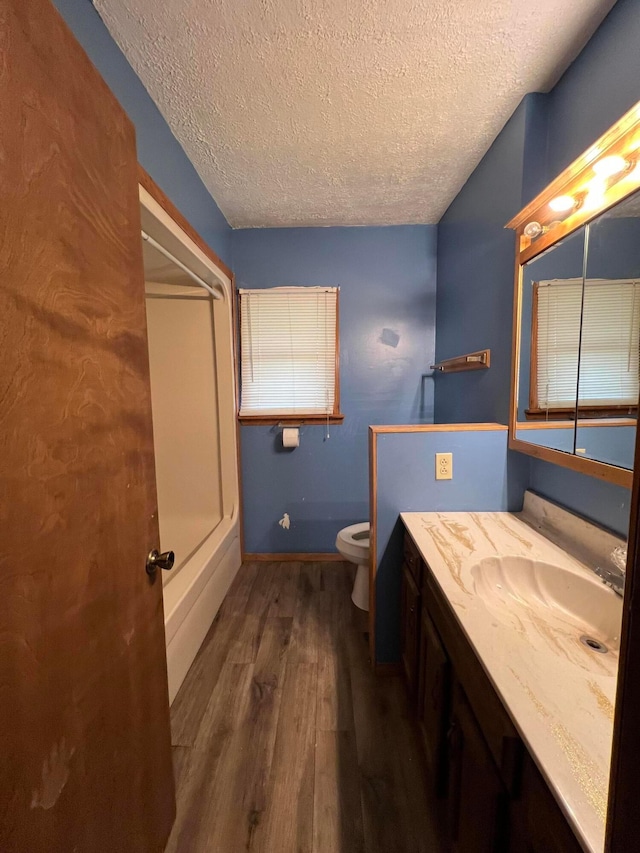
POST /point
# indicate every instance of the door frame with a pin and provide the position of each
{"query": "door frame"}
(192, 596)
(623, 820)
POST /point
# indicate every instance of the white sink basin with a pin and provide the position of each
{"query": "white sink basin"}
(573, 604)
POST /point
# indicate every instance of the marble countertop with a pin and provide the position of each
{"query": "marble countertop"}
(559, 695)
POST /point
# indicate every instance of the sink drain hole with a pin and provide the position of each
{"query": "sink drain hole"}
(593, 644)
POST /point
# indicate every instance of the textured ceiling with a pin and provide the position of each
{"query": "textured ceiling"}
(326, 112)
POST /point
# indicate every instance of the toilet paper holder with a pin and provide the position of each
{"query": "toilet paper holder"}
(290, 437)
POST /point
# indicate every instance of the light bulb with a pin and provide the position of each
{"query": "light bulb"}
(609, 166)
(562, 203)
(532, 230)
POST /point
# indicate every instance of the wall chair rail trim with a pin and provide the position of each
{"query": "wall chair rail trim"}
(400, 428)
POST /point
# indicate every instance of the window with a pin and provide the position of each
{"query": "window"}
(607, 347)
(289, 354)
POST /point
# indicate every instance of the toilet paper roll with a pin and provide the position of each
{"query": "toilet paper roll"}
(290, 437)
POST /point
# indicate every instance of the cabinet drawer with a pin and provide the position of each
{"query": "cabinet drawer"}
(412, 559)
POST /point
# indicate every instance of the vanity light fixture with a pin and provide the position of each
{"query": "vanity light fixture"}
(533, 230)
(563, 203)
(610, 166)
(596, 195)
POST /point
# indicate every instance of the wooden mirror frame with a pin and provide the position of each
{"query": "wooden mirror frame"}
(623, 139)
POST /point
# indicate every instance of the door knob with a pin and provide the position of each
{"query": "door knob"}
(156, 561)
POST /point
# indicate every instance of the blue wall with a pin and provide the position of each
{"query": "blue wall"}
(612, 444)
(544, 135)
(559, 438)
(406, 483)
(599, 87)
(387, 280)
(605, 503)
(475, 259)
(615, 445)
(158, 150)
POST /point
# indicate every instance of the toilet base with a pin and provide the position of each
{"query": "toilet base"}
(360, 594)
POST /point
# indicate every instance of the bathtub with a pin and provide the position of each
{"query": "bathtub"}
(192, 598)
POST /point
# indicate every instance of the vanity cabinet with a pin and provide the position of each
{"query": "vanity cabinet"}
(536, 823)
(478, 800)
(492, 795)
(433, 703)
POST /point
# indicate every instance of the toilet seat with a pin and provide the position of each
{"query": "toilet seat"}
(353, 543)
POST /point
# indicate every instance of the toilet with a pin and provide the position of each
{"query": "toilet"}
(353, 544)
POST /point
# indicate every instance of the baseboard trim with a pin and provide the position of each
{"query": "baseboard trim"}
(388, 669)
(331, 557)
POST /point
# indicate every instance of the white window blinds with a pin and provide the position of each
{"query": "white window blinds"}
(558, 340)
(608, 350)
(288, 350)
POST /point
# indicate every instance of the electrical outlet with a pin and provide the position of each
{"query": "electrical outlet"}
(444, 466)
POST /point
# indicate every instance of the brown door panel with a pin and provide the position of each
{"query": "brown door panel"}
(83, 693)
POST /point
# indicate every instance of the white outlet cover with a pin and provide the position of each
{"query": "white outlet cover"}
(444, 466)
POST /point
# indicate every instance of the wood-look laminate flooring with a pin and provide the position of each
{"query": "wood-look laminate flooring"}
(284, 739)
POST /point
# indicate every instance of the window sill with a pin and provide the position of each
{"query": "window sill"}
(569, 414)
(290, 420)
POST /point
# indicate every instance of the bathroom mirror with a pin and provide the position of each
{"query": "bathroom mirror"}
(579, 346)
(549, 349)
(607, 408)
(576, 345)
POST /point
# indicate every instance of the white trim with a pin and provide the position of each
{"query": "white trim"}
(300, 290)
(178, 238)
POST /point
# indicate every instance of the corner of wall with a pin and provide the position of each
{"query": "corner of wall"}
(536, 142)
(475, 279)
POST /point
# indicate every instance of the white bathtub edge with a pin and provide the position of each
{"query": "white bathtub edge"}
(187, 622)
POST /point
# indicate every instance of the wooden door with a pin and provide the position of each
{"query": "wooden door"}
(410, 626)
(84, 718)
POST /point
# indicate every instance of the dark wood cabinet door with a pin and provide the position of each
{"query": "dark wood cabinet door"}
(412, 560)
(410, 623)
(84, 712)
(537, 823)
(478, 800)
(434, 700)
